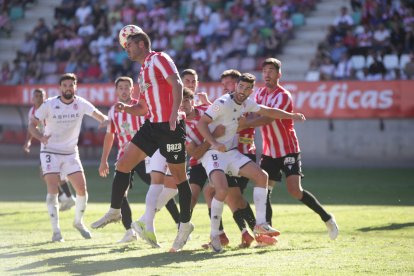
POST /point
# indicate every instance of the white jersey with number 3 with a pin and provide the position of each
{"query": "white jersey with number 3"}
(63, 123)
(225, 111)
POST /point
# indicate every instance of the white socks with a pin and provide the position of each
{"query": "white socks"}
(150, 205)
(259, 198)
(216, 214)
(80, 207)
(53, 209)
(165, 196)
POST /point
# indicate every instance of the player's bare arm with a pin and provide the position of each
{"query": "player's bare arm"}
(27, 142)
(177, 92)
(34, 131)
(203, 97)
(197, 151)
(208, 136)
(139, 109)
(106, 149)
(276, 113)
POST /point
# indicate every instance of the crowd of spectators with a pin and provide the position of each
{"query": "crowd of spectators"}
(208, 36)
(372, 41)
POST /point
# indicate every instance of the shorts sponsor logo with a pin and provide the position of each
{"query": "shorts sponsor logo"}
(216, 108)
(289, 161)
(174, 147)
(215, 165)
(175, 156)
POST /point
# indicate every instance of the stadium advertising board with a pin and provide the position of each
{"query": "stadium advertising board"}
(317, 100)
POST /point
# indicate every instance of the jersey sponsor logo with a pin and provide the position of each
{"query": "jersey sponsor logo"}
(66, 116)
(142, 85)
(75, 106)
(174, 147)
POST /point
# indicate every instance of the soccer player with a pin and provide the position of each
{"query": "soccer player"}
(65, 197)
(124, 126)
(240, 208)
(59, 151)
(161, 89)
(224, 157)
(281, 150)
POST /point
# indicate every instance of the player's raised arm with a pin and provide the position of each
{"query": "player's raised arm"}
(139, 109)
(276, 113)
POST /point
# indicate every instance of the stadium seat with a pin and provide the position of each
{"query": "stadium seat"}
(312, 76)
(16, 13)
(390, 61)
(358, 62)
(370, 60)
(298, 19)
(404, 59)
(247, 64)
(233, 62)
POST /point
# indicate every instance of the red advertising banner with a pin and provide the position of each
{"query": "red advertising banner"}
(317, 100)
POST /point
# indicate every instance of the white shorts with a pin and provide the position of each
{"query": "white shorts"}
(60, 164)
(157, 163)
(229, 162)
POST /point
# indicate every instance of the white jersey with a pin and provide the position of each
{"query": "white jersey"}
(63, 122)
(225, 111)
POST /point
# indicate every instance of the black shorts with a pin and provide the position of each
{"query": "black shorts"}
(198, 175)
(242, 181)
(153, 136)
(140, 170)
(290, 165)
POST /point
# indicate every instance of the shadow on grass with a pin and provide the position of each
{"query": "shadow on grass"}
(392, 226)
(75, 265)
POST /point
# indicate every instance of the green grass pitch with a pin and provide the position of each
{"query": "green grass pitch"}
(373, 207)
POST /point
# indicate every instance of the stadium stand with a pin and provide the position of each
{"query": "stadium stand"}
(83, 36)
(379, 32)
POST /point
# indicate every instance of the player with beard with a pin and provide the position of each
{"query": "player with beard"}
(59, 152)
(161, 91)
(124, 126)
(281, 150)
(65, 197)
(223, 156)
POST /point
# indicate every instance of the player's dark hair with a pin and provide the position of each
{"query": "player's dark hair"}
(232, 73)
(40, 90)
(272, 61)
(247, 77)
(189, 72)
(141, 37)
(68, 76)
(188, 93)
(123, 78)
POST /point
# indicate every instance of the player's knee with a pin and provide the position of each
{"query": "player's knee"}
(294, 191)
(123, 166)
(261, 178)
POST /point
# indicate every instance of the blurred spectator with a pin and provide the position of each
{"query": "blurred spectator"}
(5, 24)
(409, 68)
(344, 21)
(5, 72)
(343, 69)
(83, 11)
(28, 47)
(327, 69)
(376, 71)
